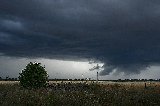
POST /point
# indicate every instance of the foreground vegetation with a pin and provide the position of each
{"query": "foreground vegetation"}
(81, 94)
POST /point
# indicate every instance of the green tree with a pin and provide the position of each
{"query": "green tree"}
(33, 76)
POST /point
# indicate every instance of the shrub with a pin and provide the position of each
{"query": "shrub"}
(33, 76)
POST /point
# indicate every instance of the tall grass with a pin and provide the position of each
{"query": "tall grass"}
(80, 95)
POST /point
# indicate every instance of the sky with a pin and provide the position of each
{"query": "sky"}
(122, 36)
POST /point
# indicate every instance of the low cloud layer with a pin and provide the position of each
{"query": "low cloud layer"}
(124, 35)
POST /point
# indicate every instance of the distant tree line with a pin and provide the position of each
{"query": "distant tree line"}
(83, 79)
(17, 79)
(8, 79)
(136, 80)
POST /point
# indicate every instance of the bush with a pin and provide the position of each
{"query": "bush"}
(33, 76)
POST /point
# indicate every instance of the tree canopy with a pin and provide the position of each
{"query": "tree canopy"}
(33, 76)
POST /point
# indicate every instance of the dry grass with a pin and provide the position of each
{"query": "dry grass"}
(81, 94)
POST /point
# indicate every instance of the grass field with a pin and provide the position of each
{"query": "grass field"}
(82, 94)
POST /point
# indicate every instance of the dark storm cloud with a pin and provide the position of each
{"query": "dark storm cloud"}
(122, 34)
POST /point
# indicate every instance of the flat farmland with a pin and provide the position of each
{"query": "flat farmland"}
(9, 82)
(82, 93)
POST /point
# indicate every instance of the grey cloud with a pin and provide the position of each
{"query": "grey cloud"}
(122, 34)
(12, 25)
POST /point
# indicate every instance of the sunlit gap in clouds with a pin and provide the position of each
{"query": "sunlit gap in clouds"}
(70, 69)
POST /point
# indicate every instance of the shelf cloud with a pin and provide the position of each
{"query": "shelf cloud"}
(124, 35)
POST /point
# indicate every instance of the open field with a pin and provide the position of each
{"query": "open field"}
(82, 94)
